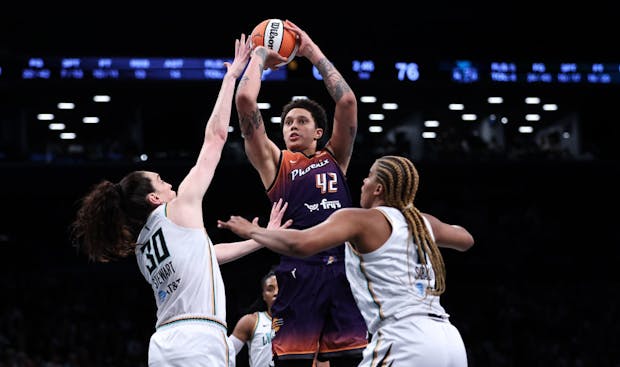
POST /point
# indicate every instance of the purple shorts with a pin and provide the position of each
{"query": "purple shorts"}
(315, 310)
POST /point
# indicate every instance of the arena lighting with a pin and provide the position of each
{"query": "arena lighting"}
(495, 100)
(67, 136)
(456, 106)
(90, 120)
(264, 105)
(550, 107)
(368, 99)
(45, 116)
(469, 117)
(526, 129)
(56, 126)
(532, 100)
(390, 106)
(66, 106)
(431, 123)
(429, 135)
(276, 119)
(101, 98)
(532, 117)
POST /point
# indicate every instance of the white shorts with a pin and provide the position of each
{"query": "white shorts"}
(191, 344)
(416, 341)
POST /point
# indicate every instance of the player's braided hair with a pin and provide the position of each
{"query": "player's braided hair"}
(400, 178)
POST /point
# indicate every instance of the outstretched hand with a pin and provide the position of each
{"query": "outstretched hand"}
(243, 227)
(242, 55)
(275, 218)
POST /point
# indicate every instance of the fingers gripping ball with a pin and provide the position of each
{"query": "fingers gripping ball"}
(271, 34)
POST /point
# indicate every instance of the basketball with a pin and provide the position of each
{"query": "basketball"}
(271, 34)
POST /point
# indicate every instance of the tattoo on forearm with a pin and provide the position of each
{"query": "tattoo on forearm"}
(243, 81)
(352, 133)
(335, 83)
(262, 53)
(250, 122)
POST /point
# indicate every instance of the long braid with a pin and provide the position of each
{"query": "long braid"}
(400, 178)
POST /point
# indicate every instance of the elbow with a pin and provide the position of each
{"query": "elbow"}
(244, 100)
(348, 100)
(468, 243)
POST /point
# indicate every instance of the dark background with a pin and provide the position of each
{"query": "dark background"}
(539, 287)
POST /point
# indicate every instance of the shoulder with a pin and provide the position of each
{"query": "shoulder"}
(246, 323)
(358, 215)
(244, 330)
(326, 150)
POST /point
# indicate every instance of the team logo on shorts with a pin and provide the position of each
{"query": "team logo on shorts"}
(276, 323)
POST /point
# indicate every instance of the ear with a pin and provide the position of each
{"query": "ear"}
(154, 199)
(318, 133)
(378, 190)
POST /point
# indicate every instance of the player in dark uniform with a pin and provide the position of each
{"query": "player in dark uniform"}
(315, 310)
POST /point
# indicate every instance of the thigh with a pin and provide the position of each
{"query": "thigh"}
(456, 346)
(416, 341)
(344, 332)
(189, 345)
(439, 342)
(298, 312)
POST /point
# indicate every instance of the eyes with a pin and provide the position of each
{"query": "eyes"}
(270, 289)
(159, 180)
(301, 121)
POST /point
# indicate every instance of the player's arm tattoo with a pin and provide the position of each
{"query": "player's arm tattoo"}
(262, 53)
(335, 83)
(250, 122)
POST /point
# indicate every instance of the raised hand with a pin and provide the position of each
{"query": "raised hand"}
(243, 227)
(242, 55)
(239, 225)
(306, 45)
(275, 218)
(271, 59)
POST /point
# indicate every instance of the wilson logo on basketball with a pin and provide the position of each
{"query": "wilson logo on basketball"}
(273, 33)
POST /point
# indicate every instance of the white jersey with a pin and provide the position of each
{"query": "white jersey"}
(389, 286)
(259, 346)
(180, 265)
(390, 282)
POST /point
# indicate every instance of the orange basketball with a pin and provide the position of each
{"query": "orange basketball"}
(271, 34)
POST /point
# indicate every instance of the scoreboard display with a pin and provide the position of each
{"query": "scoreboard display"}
(397, 70)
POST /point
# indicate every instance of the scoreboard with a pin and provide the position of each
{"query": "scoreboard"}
(462, 71)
